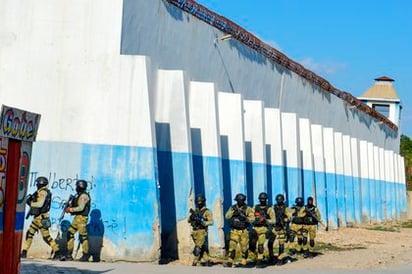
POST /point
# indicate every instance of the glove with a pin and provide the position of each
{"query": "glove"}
(67, 210)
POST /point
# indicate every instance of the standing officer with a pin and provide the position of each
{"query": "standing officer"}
(80, 208)
(240, 216)
(312, 220)
(297, 228)
(39, 203)
(200, 219)
(280, 230)
(264, 216)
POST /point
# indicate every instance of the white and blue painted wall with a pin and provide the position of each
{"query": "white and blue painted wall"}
(145, 102)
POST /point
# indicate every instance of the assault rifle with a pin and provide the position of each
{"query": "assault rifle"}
(196, 218)
(313, 215)
(65, 206)
(239, 213)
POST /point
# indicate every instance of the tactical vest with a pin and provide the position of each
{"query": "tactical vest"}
(201, 214)
(75, 203)
(46, 205)
(298, 216)
(280, 213)
(311, 218)
(237, 221)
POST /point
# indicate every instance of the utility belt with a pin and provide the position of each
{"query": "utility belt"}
(298, 220)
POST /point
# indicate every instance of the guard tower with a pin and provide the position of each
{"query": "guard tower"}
(383, 98)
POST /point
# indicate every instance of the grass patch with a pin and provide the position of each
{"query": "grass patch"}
(407, 224)
(384, 228)
(320, 246)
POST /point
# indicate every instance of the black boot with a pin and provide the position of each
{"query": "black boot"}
(84, 258)
(24, 254)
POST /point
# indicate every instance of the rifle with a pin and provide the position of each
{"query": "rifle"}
(196, 218)
(32, 211)
(317, 219)
(65, 206)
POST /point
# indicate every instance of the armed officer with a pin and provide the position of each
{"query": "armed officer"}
(297, 228)
(264, 217)
(240, 216)
(200, 219)
(312, 219)
(39, 203)
(280, 229)
(79, 208)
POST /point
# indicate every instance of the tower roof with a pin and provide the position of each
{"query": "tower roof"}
(382, 89)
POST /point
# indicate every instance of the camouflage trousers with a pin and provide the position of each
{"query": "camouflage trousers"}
(312, 235)
(35, 226)
(78, 224)
(280, 235)
(201, 250)
(258, 240)
(299, 237)
(239, 237)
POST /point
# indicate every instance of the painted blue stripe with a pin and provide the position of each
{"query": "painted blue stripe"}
(320, 188)
(277, 180)
(259, 181)
(237, 177)
(308, 183)
(379, 208)
(213, 192)
(293, 186)
(373, 200)
(331, 200)
(365, 200)
(340, 199)
(133, 183)
(19, 223)
(349, 199)
(357, 199)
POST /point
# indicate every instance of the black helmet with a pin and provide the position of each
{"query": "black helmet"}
(41, 182)
(263, 196)
(81, 185)
(280, 199)
(310, 199)
(240, 197)
(200, 198)
(299, 201)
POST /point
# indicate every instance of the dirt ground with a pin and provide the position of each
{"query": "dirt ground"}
(368, 247)
(380, 246)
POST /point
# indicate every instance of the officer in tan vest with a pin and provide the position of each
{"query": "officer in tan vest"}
(39, 203)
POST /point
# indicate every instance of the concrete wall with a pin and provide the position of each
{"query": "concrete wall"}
(144, 102)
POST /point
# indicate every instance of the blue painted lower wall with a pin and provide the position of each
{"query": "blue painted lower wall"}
(142, 193)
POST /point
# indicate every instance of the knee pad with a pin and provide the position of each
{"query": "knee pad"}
(300, 241)
(260, 249)
(312, 243)
(291, 238)
(196, 251)
(83, 238)
(304, 240)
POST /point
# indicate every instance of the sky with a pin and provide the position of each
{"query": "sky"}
(349, 43)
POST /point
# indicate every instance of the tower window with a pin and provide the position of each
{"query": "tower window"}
(382, 109)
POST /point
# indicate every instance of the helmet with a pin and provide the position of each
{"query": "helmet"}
(200, 198)
(299, 201)
(263, 195)
(240, 197)
(81, 185)
(280, 199)
(41, 182)
(310, 199)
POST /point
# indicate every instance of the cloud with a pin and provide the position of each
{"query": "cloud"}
(326, 68)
